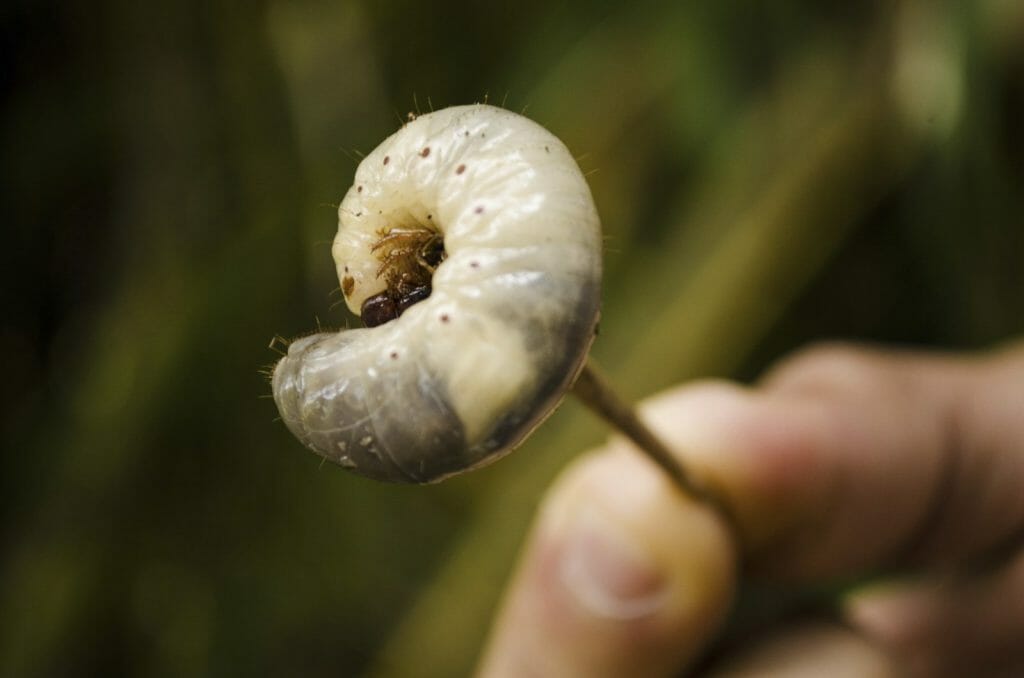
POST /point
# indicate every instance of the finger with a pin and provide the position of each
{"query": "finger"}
(849, 460)
(841, 463)
(811, 651)
(948, 626)
(622, 576)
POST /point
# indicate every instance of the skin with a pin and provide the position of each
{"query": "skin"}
(842, 461)
(471, 247)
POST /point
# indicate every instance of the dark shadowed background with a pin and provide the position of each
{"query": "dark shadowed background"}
(768, 174)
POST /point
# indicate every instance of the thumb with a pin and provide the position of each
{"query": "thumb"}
(623, 576)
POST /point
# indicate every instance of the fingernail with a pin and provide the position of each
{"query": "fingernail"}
(608, 571)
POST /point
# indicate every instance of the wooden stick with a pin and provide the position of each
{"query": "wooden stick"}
(593, 389)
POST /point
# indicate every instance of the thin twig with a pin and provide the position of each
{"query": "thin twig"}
(593, 389)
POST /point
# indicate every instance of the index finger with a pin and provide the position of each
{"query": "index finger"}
(849, 460)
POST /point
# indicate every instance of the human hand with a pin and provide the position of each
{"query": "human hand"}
(843, 462)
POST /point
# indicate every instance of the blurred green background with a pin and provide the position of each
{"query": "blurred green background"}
(768, 174)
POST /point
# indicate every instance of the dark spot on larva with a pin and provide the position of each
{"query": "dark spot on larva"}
(359, 214)
(483, 134)
(378, 309)
(445, 318)
(460, 169)
(394, 355)
(466, 133)
(474, 264)
(387, 159)
(347, 283)
(411, 298)
(429, 217)
(479, 209)
(425, 152)
(547, 150)
(346, 268)
(359, 189)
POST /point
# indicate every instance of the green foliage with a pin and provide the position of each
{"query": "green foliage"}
(767, 176)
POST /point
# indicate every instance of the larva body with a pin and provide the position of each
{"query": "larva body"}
(464, 375)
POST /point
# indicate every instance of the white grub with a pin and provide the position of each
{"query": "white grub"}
(511, 311)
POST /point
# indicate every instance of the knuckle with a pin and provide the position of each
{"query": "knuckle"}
(830, 367)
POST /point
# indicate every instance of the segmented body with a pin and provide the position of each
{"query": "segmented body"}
(465, 362)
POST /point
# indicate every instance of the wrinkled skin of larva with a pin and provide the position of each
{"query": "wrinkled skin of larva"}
(464, 375)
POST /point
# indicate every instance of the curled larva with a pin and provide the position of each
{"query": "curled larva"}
(470, 246)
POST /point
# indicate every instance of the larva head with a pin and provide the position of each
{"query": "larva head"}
(470, 245)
